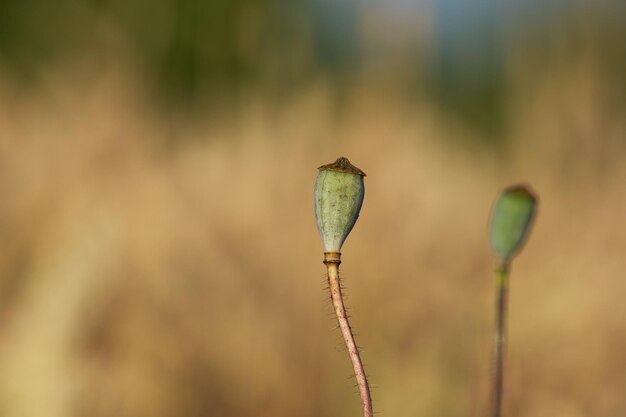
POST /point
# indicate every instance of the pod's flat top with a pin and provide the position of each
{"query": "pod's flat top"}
(342, 165)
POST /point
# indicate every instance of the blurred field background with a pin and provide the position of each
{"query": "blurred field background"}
(158, 251)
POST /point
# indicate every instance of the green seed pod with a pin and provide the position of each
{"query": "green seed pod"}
(339, 192)
(511, 220)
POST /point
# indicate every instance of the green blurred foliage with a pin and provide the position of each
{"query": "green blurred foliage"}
(36, 32)
(188, 47)
(193, 51)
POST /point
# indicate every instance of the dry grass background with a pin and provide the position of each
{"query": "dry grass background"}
(153, 269)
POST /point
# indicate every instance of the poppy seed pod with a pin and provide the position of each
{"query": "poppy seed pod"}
(339, 192)
(511, 220)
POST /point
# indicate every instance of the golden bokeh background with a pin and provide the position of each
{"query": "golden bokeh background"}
(158, 250)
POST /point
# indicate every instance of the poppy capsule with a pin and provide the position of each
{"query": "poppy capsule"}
(511, 220)
(339, 192)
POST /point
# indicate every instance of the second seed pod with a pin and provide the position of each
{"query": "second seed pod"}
(511, 220)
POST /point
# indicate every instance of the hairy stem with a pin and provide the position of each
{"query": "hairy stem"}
(348, 337)
(502, 273)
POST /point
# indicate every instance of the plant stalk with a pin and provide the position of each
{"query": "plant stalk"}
(332, 261)
(502, 274)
